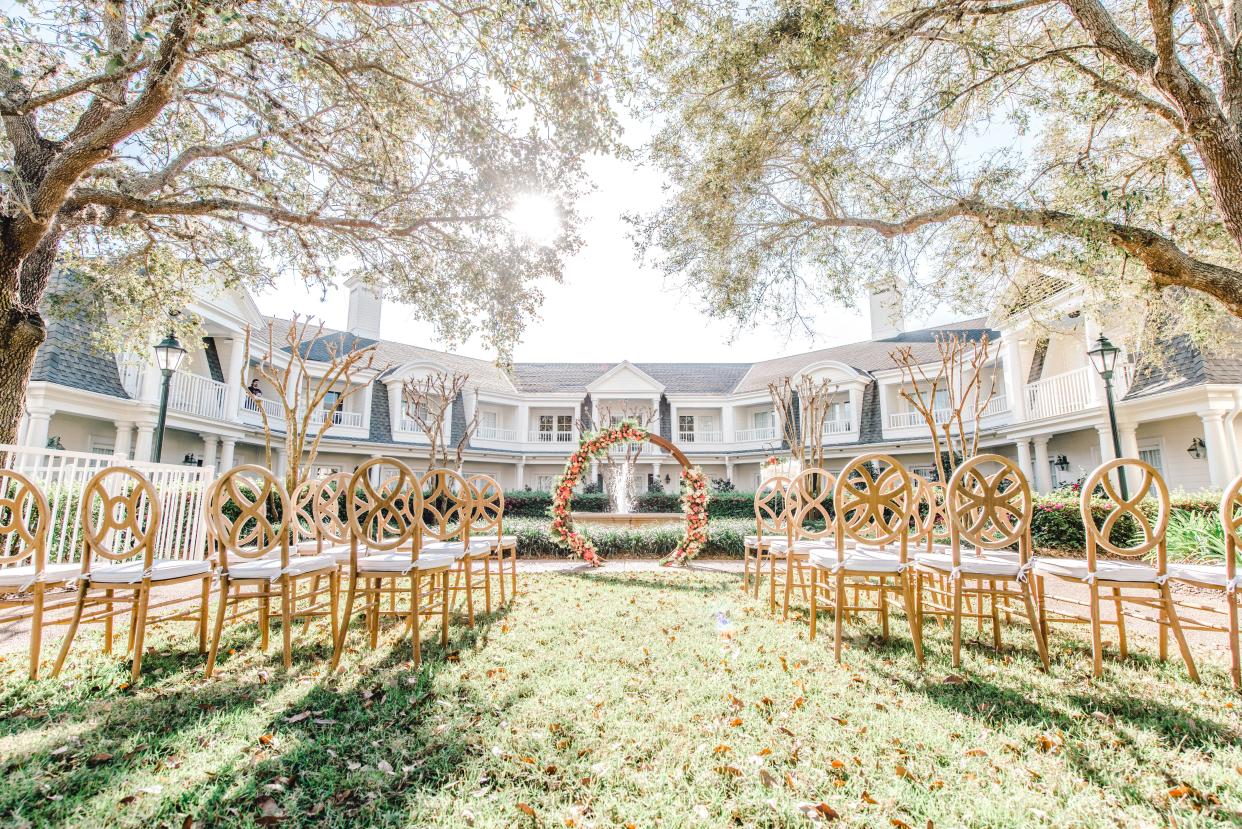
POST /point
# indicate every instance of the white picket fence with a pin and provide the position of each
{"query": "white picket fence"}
(62, 475)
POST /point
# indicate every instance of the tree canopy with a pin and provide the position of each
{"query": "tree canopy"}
(970, 147)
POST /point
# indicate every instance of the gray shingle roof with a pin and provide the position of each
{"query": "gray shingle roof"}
(1184, 365)
(677, 378)
(70, 357)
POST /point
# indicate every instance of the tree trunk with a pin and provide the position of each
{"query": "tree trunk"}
(21, 334)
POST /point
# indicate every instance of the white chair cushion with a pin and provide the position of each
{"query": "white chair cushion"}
(337, 552)
(1073, 568)
(269, 568)
(970, 565)
(1213, 574)
(400, 562)
(162, 569)
(856, 562)
(24, 575)
(454, 548)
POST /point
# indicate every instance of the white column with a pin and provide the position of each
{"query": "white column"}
(1024, 459)
(726, 423)
(1217, 448)
(1015, 382)
(520, 472)
(729, 468)
(142, 446)
(124, 438)
(280, 462)
(233, 376)
(1128, 432)
(38, 422)
(524, 427)
(150, 384)
(227, 447)
(655, 420)
(209, 450)
(1092, 333)
(1106, 443)
(674, 426)
(1043, 469)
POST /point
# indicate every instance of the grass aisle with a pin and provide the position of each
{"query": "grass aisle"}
(611, 700)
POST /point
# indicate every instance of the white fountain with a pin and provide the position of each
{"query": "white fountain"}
(621, 477)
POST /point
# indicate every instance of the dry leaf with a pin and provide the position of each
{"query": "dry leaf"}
(766, 778)
(733, 770)
(899, 823)
(296, 718)
(953, 679)
(975, 752)
(867, 798)
(721, 749)
(525, 808)
(735, 722)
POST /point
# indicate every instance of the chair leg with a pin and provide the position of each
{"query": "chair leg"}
(882, 602)
(913, 616)
(1033, 618)
(1041, 605)
(444, 611)
(467, 566)
(286, 618)
(218, 630)
(958, 587)
(772, 584)
(203, 615)
(1176, 624)
(996, 620)
(814, 601)
(487, 584)
(265, 612)
(72, 631)
(1235, 657)
(416, 586)
(108, 623)
(789, 580)
(343, 628)
(839, 618)
(1097, 641)
(140, 631)
(334, 601)
(1122, 650)
(513, 574)
(36, 630)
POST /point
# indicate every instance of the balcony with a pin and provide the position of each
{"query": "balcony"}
(754, 435)
(409, 429)
(998, 405)
(561, 438)
(495, 433)
(1060, 394)
(195, 395)
(250, 410)
(351, 420)
(700, 437)
(913, 420)
(838, 427)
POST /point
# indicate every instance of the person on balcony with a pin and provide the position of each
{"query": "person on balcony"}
(253, 389)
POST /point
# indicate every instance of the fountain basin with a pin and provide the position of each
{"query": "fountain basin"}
(625, 520)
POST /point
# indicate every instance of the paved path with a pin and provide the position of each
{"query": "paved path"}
(1213, 647)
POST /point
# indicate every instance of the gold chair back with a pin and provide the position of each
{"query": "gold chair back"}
(810, 502)
(24, 521)
(772, 507)
(489, 506)
(302, 501)
(330, 508)
(382, 517)
(991, 510)
(1147, 480)
(448, 506)
(264, 515)
(873, 498)
(1231, 520)
(120, 516)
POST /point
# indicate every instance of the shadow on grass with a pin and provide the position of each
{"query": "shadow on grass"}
(332, 730)
(652, 580)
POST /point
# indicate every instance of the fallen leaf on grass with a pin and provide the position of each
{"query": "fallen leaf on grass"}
(975, 752)
(297, 718)
(867, 798)
(766, 778)
(731, 770)
(270, 812)
(899, 823)
(818, 811)
(99, 759)
(953, 679)
(526, 809)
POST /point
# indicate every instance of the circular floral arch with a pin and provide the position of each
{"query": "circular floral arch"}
(593, 446)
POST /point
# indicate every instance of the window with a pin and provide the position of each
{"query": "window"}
(685, 425)
(546, 482)
(329, 400)
(545, 423)
(1151, 454)
(487, 420)
(762, 419)
(102, 446)
(564, 423)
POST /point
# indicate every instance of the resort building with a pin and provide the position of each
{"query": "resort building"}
(1048, 409)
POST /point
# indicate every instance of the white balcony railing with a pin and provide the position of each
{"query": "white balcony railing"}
(622, 448)
(840, 426)
(409, 427)
(494, 433)
(999, 404)
(339, 418)
(912, 419)
(1060, 394)
(275, 413)
(192, 394)
(699, 437)
(754, 435)
(551, 437)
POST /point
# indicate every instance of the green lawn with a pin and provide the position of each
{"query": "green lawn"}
(610, 699)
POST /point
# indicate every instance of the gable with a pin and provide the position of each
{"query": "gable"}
(625, 379)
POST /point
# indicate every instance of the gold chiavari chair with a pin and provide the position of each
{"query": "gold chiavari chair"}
(770, 521)
(447, 515)
(1219, 577)
(252, 528)
(488, 526)
(991, 512)
(1115, 575)
(120, 520)
(25, 573)
(385, 546)
(872, 503)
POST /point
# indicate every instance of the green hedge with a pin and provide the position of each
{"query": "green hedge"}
(536, 503)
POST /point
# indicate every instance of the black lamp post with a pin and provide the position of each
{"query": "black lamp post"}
(1104, 359)
(168, 356)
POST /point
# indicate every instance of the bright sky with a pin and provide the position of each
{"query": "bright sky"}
(650, 321)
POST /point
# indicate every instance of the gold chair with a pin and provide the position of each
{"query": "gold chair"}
(120, 521)
(992, 513)
(489, 516)
(385, 546)
(770, 521)
(872, 502)
(446, 517)
(25, 574)
(1219, 577)
(1118, 576)
(253, 551)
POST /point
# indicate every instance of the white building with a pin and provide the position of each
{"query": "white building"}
(1048, 410)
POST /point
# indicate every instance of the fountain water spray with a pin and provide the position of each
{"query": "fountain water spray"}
(622, 477)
